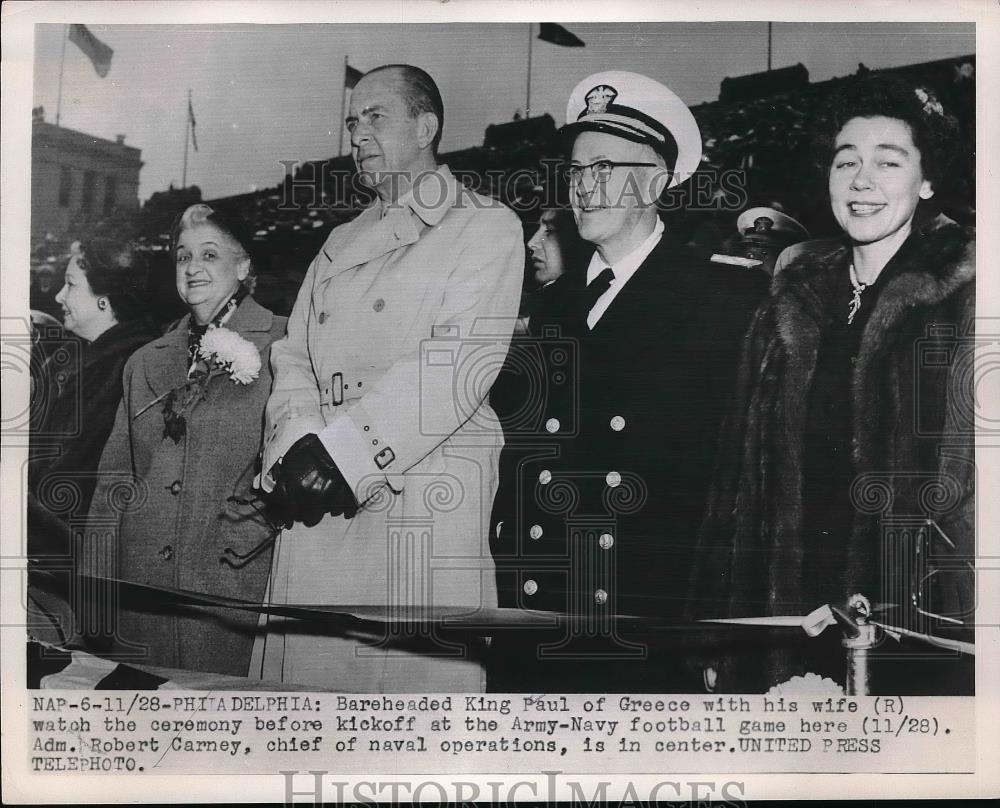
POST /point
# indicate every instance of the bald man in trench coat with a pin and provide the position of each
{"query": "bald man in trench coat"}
(398, 331)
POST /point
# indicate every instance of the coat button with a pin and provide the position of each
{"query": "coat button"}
(322, 317)
(545, 477)
(535, 532)
(166, 552)
(175, 487)
(552, 425)
(530, 587)
(379, 304)
(606, 540)
(613, 479)
(617, 423)
(600, 597)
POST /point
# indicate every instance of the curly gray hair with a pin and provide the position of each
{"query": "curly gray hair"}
(232, 229)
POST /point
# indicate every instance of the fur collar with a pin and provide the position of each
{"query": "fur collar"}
(122, 339)
(937, 261)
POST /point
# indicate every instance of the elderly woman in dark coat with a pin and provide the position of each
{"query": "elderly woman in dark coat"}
(848, 460)
(77, 388)
(174, 506)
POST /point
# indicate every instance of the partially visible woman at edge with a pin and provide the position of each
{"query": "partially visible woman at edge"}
(104, 302)
(848, 459)
(186, 437)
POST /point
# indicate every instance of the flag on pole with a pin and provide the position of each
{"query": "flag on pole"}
(194, 139)
(351, 76)
(557, 35)
(95, 50)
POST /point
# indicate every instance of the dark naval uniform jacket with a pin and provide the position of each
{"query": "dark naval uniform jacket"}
(608, 461)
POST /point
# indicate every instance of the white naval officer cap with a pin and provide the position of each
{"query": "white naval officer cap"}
(637, 108)
(769, 222)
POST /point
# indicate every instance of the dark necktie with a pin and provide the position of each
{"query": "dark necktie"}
(596, 288)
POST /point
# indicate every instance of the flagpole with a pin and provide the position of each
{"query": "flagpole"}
(527, 103)
(62, 64)
(343, 103)
(769, 25)
(187, 137)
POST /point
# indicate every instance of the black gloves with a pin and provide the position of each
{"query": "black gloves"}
(310, 485)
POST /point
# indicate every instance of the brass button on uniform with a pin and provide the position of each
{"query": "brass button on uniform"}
(617, 423)
(600, 597)
(322, 317)
(175, 487)
(379, 304)
(606, 541)
(536, 532)
(552, 425)
(167, 552)
(545, 477)
(613, 479)
(530, 587)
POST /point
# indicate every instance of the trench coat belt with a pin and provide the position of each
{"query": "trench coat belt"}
(344, 386)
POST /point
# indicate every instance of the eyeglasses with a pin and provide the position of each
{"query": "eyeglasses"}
(600, 170)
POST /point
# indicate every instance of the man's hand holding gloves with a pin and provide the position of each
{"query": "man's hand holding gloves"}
(309, 484)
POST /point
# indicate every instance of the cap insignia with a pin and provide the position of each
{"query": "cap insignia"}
(599, 98)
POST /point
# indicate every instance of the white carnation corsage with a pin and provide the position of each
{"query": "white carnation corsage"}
(230, 352)
(220, 351)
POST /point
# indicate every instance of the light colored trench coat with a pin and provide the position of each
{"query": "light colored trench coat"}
(400, 327)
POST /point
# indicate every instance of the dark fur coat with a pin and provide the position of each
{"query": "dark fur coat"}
(77, 386)
(74, 400)
(911, 443)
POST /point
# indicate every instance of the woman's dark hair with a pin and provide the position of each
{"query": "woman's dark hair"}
(575, 250)
(554, 195)
(935, 133)
(229, 226)
(118, 271)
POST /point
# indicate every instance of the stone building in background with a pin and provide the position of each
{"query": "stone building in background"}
(79, 181)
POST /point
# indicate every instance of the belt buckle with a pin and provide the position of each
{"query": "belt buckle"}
(337, 389)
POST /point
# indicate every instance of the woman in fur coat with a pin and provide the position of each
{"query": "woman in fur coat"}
(76, 390)
(847, 463)
(104, 303)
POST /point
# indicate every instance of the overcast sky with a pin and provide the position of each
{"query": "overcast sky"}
(265, 93)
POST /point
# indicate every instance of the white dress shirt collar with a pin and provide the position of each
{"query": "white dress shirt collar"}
(624, 269)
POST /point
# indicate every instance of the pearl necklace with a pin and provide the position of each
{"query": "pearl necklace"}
(856, 297)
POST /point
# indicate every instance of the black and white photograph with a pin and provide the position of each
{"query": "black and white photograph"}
(498, 389)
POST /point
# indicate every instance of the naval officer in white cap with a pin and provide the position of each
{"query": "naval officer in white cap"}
(600, 515)
(763, 232)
